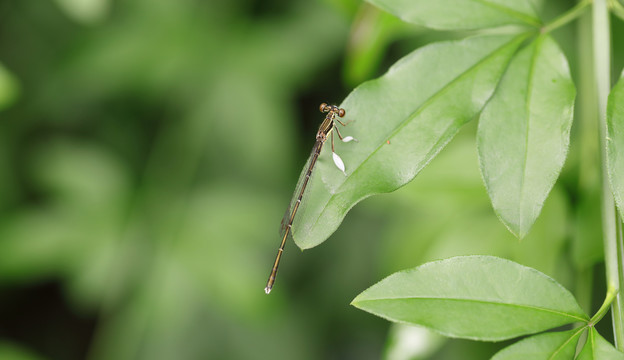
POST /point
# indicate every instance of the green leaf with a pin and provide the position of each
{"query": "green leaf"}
(597, 348)
(473, 297)
(402, 120)
(463, 14)
(548, 346)
(524, 133)
(615, 142)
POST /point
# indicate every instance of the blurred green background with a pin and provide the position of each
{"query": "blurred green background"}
(148, 149)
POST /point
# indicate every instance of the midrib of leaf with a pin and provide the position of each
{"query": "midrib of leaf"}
(527, 109)
(513, 13)
(414, 114)
(476, 301)
(558, 350)
(592, 340)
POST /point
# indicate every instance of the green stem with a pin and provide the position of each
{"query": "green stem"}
(602, 71)
(586, 134)
(566, 17)
(611, 294)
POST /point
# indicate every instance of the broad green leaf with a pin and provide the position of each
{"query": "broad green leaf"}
(524, 133)
(473, 297)
(615, 142)
(463, 14)
(597, 348)
(402, 120)
(547, 346)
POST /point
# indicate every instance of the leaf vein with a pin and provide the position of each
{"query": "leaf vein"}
(424, 105)
(513, 13)
(565, 343)
(527, 110)
(524, 306)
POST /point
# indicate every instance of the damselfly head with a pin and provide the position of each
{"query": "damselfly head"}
(333, 108)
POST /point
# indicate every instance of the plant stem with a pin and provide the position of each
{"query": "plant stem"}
(585, 140)
(602, 71)
(567, 16)
(611, 294)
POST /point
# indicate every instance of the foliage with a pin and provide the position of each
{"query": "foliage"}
(476, 297)
(149, 147)
(615, 144)
(521, 91)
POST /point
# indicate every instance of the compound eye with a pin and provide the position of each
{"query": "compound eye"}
(323, 107)
(341, 112)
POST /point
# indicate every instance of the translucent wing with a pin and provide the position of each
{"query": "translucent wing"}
(299, 188)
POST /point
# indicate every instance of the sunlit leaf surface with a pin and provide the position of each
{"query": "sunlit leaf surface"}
(475, 297)
(547, 346)
(597, 348)
(402, 120)
(463, 14)
(524, 133)
(615, 142)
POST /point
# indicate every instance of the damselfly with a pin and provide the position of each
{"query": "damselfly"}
(324, 131)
